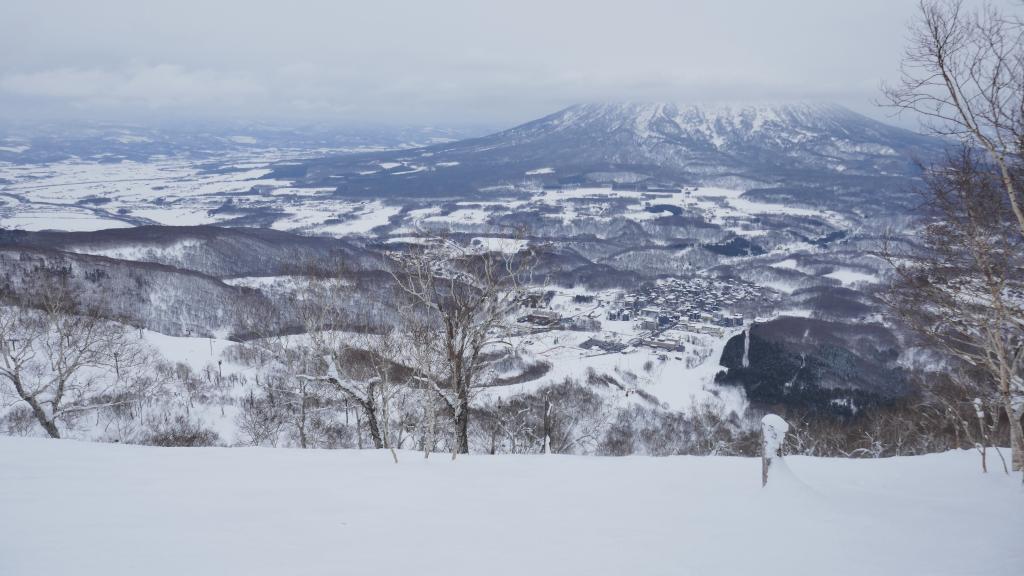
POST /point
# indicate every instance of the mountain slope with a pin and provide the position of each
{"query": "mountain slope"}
(170, 278)
(740, 146)
(162, 298)
(215, 251)
(257, 511)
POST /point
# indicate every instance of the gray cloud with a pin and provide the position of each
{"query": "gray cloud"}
(409, 61)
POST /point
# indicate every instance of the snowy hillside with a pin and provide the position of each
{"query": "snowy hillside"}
(92, 509)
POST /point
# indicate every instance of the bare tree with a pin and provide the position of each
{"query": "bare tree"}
(258, 420)
(963, 73)
(963, 288)
(379, 359)
(364, 377)
(59, 359)
(291, 400)
(461, 300)
(573, 418)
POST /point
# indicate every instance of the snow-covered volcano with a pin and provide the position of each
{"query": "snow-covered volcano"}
(742, 146)
(666, 131)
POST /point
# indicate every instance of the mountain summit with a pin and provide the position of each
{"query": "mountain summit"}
(721, 127)
(738, 146)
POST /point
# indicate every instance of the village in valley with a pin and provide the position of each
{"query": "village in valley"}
(658, 314)
(659, 340)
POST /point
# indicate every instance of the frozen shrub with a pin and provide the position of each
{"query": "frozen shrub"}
(258, 421)
(19, 421)
(180, 432)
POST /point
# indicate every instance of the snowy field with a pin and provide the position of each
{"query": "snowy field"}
(106, 509)
(83, 195)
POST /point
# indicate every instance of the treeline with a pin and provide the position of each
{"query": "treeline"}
(173, 405)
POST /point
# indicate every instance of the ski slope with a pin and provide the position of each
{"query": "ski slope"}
(69, 507)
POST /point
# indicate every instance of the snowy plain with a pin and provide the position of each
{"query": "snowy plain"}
(107, 509)
(180, 191)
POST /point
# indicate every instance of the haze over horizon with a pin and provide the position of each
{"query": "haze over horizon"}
(323, 62)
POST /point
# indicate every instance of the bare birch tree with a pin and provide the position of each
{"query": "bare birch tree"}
(58, 359)
(363, 367)
(962, 289)
(963, 73)
(461, 299)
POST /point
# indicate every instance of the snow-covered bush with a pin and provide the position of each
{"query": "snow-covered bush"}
(179, 431)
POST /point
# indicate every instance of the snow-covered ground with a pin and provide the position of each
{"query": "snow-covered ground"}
(82, 194)
(675, 385)
(848, 276)
(107, 509)
(70, 219)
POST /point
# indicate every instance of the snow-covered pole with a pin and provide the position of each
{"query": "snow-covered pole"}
(746, 346)
(773, 434)
(547, 427)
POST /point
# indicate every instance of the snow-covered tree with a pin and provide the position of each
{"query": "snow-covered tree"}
(962, 288)
(461, 302)
(60, 360)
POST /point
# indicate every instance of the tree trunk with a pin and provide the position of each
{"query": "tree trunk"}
(359, 431)
(462, 426)
(1016, 435)
(431, 438)
(373, 426)
(37, 410)
(302, 423)
(50, 428)
(46, 423)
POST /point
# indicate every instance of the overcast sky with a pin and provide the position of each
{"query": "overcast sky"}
(433, 62)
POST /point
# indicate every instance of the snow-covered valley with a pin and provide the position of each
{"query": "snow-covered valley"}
(642, 284)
